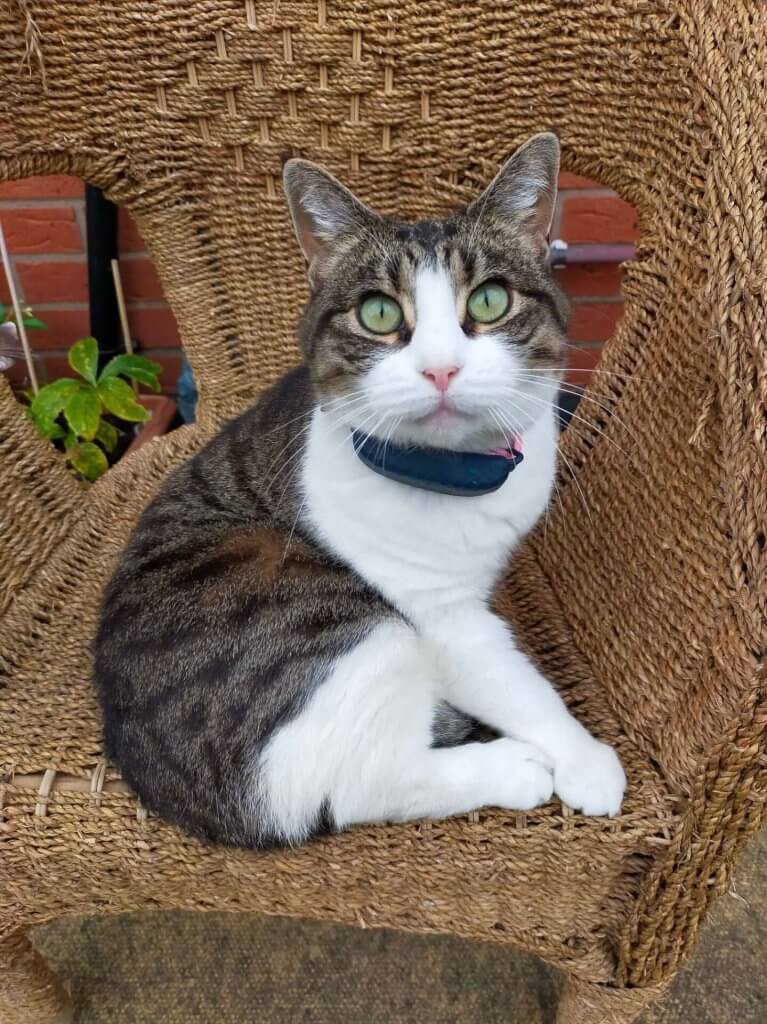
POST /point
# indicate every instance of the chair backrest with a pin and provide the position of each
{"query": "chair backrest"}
(184, 111)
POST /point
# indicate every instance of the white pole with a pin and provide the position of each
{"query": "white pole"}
(127, 340)
(17, 311)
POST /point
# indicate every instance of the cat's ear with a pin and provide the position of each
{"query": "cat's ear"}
(323, 210)
(525, 188)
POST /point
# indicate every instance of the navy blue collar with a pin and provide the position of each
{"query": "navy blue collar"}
(438, 469)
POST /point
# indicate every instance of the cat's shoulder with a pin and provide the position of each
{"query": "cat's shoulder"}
(290, 396)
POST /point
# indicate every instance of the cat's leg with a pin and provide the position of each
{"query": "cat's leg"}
(437, 783)
(361, 749)
(486, 676)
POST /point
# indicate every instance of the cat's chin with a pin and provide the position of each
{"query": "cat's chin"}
(456, 431)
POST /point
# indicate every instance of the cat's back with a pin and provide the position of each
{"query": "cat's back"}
(234, 497)
(221, 617)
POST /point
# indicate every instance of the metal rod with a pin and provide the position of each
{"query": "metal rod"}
(565, 254)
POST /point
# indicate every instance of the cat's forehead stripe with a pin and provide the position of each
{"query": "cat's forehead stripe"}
(393, 269)
(426, 243)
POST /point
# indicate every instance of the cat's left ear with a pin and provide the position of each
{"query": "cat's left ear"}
(525, 188)
(323, 210)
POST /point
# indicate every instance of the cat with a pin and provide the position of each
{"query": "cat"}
(298, 638)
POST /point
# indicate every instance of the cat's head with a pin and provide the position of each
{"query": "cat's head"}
(446, 333)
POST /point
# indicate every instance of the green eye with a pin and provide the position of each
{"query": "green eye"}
(380, 314)
(488, 302)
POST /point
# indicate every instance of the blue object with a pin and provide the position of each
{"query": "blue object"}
(466, 474)
(186, 397)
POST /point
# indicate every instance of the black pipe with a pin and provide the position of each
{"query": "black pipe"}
(567, 403)
(101, 231)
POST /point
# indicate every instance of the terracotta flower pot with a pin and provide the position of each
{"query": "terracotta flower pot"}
(163, 410)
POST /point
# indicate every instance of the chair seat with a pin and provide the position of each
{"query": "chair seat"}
(76, 841)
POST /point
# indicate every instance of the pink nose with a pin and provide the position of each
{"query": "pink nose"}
(441, 378)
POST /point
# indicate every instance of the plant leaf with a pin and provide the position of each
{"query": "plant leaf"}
(47, 428)
(107, 435)
(33, 322)
(119, 399)
(127, 362)
(146, 377)
(83, 412)
(88, 459)
(83, 357)
(50, 400)
(144, 371)
(2, 312)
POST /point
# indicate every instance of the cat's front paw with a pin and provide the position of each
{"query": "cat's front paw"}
(591, 780)
(524, 781)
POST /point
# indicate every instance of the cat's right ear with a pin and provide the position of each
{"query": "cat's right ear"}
(323, 210)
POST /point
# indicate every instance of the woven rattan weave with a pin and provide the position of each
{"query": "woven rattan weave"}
(648, 607)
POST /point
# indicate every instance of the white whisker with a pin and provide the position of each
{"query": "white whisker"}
(497, 419)
(342, 402)
(292, 531)
(608, 410)
(300, 451)
(335, 406)
(547, 513)
(577, 484)
(291, 440)
(389, 434)
(607, 373)
(572, 473)
(573, 416)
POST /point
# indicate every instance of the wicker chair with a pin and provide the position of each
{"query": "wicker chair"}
(648, 607)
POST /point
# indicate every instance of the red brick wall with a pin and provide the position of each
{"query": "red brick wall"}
(587, 213)
(44, 223)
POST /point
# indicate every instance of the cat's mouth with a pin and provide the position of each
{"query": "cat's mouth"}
(446, 425)
(460, 422)
(445, 412)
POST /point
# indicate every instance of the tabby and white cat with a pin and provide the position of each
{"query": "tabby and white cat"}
(298, 635)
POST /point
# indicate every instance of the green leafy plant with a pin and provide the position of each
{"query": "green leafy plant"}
(72, 411)
(27, 316)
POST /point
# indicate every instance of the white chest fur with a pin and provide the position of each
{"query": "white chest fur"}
(420, 549)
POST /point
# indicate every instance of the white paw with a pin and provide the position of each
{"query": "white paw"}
(591, 780)
(525, 782)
